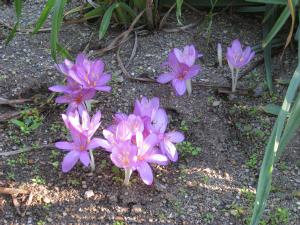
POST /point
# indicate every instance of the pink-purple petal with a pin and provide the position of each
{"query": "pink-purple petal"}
(179, 86)
(175, 136)
(64, 145)
(84, 158)
(170, 150)
(165, 77)
(158, 159)
(69, 161)
(145, 172)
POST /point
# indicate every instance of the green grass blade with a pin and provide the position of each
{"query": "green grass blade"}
(272, 109)
(292, 126)
(106, 20)
(56, 24)
(97, 12)
(44, 15)
(267, 26)
(278, 25)
(178, 10)
(128, 10)
(280, 2)
(140, 4)
(125, 13)
(18, 10)
(63, 52)
(272, 149)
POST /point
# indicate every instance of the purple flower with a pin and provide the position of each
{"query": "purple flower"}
(148, 154)
(76, 99)
(145, 108)
(182, 69)
(84, 78)
(237, 57)
(82, 141)
(137, 140)
(90, 74)
(166, 140)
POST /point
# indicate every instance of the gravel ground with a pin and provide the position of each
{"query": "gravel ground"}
(216, 186)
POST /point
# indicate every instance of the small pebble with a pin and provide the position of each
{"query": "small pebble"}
(136, 209)
(46, 200)
(89, 194)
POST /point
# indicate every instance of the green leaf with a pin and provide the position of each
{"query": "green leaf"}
(63, 52)
(272, 109)
(291, 127)
(128, 9)
(279, 137)
(106, 20)
(267, 26)
(96, 12)
(44, 15)
(56, 25)
(18, 10)
(273, 2)
(18, 123)
(285, 14)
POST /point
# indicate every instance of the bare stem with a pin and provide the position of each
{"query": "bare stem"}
(128, 173)
(92, 161)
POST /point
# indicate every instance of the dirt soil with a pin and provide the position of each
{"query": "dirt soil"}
(213, 186)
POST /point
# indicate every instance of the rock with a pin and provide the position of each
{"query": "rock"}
(216, 103)
(136, 209)
(234, 212)
(65, 214)
(88, 194)
(84, 184)
(46, 200)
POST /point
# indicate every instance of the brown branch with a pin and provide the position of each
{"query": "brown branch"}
(121, 38)
(13, 102)
(133, 50)
(12, 191)
(163, 20)
(26, 150)
(177, 29)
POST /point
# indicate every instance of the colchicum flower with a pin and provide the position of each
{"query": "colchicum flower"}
(237, 58)
(82, 145)
(84, 78)
(137, 140)
(182, 69)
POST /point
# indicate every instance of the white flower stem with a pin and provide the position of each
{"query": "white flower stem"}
(128, 173)
(235, 77)
(92, 162)
(232, 80)
(188, 84)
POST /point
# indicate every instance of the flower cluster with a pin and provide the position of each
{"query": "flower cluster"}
(182, 69)
(136, 140)
(84, 78)
(82, 129)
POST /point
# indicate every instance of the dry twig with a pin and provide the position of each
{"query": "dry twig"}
(121, 38)
(13, 102)
(163, 20)
(26, 150)
(133, 50)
